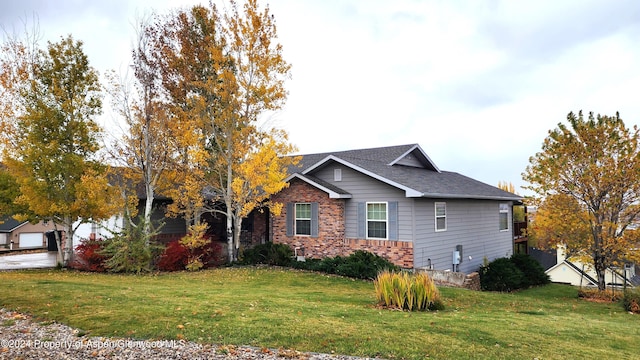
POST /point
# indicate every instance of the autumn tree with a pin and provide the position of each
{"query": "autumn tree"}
(587, 178)
(144, 150)
(223, 72)
(507, 186)
(53, 138)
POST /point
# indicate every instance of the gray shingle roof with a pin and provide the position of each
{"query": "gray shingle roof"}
(8, 224)
(425, 181)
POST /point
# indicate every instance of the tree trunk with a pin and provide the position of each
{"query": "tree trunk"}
(56, 234)
(601, 269)
(230, 246)
(236, 234)
(68, 246)
(148, 207)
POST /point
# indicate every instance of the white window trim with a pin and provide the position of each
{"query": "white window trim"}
(436, 216)
(503, 211)
(295, 219)
(366, 220)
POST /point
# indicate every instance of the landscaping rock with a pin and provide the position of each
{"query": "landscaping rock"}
(23, 338)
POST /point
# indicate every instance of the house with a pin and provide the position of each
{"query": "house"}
(567, 270)
(16, 234)
(172, 228)
(395, 202)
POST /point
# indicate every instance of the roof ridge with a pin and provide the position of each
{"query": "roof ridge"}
(358, 150)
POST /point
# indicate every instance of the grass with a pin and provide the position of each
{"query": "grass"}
(277, 308)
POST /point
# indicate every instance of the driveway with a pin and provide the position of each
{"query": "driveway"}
(28, 261)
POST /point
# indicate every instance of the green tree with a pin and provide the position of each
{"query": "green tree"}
(51, 152)
(9, 191)
(587, 177)
(222, 72)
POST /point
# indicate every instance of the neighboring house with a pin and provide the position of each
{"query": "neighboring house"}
(395, 202)
(577, 273)
(16, 234)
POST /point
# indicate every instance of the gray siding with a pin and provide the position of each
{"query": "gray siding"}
(474, 224)
(365, 189)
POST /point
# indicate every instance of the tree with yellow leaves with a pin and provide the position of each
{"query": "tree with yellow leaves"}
(587, 178)
(222, 72)
(146, 150)
(50, 99)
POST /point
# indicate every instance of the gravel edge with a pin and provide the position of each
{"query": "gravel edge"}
(21, 337)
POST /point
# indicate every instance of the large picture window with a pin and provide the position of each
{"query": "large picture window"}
(504, 217)
(377, 220)
(303, 219)
(441, 216)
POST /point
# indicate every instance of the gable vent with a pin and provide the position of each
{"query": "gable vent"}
(337, 174)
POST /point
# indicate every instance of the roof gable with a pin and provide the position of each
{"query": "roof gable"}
(333, 191)
(408, 168)
(415, 157)
(9, 224)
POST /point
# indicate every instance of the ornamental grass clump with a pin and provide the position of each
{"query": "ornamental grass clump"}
(407, 291)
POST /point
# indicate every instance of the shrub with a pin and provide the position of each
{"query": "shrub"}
(363, 265)
(267, 253)
(88, 256)
(360, 265)
(500, 275)
(174, 257)
(597, 295)
(631, 300)
(195, 243)
(131, 251)
(405, 291)
(533, 273)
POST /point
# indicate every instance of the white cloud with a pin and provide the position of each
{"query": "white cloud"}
(477, 84)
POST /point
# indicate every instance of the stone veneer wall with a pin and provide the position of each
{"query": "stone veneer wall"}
(454, 279)
(331, 239)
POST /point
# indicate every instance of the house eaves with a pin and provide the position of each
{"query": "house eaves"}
(470, 196)
(409, 192)
(333, 191)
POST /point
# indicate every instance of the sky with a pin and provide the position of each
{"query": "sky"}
(477, 84)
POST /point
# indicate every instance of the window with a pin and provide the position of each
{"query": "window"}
(303, 219)
(504, 217)
(377, 220)
(441, 216)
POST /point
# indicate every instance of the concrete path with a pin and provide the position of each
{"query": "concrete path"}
(28, 261)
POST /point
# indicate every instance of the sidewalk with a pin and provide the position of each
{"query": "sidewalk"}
(28, 261)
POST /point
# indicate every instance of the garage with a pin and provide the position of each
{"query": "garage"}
(28, 240)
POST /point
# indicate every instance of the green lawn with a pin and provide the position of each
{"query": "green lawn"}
(304, 311)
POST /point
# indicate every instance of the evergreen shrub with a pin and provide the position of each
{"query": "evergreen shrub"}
(533, 273)
(268, 254)
(520, 271)
(500, 275)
